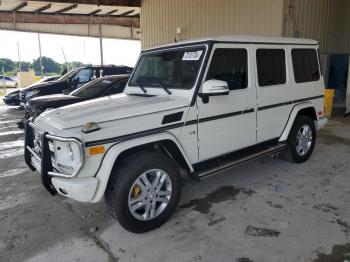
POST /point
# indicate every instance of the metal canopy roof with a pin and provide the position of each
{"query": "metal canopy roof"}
(70, 7)
(29, 15)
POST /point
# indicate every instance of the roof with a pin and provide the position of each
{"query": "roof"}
(114, 77)
(246, 39)
(72, 7)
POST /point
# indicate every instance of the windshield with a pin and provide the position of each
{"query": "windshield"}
(92, 89)
(68, 75)
(170, 69)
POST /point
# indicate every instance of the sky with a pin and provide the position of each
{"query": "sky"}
(83, 49)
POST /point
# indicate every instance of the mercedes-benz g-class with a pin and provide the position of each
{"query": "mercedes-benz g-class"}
(195, 108)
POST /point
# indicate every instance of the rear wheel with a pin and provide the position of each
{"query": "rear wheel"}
(143, 191)
(301, 140)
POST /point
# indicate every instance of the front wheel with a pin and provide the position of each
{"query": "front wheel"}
(301, 140)
(143, 191)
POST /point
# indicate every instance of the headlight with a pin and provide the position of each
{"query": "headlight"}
(32, 93)
(67, 156)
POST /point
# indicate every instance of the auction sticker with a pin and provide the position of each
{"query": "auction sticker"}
(192, 56)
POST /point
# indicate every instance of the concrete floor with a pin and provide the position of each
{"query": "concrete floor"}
(305, 208)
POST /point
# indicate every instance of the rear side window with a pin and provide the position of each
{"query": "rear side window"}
(271, 65)
(305, 65)
(230, 65)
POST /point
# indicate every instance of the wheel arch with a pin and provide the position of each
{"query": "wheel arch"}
(307, 109)
(165, 142)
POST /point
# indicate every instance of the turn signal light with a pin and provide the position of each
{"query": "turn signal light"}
(96, 150)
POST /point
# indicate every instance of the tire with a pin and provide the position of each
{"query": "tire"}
(293, 152)
(125, 179)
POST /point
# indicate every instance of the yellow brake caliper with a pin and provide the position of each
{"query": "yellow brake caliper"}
(136, 191)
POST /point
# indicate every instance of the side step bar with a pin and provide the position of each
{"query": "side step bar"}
(240, 161)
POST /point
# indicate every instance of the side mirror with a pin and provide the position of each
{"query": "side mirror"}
(213, 88)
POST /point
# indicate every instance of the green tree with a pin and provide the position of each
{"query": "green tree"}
(7, 64)
(49, 65)
(75, 64)
(25, 66)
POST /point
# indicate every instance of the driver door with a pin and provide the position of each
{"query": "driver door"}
(82, 77)
(228, 122)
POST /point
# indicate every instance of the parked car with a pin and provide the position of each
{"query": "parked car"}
(196, 107)
(99, 87)
(12, 98)
(71, 81)
(8, 81)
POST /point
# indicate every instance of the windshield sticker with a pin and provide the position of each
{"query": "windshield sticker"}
(106, 81)
(192, 56)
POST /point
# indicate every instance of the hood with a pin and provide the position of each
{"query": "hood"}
(14, 92)
(58, 99)
(39, 86)
(109, 108)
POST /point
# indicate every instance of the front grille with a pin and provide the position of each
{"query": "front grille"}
(37, 142)
(37, 146)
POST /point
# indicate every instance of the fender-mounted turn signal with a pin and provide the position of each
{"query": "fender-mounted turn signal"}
(96, 150)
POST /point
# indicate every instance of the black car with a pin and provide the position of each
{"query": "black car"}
(71, 81)
(104, 86)
(12, 98)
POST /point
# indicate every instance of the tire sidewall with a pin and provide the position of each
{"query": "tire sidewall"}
(298, 123)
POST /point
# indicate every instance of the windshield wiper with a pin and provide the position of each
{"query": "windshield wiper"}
(142, 88)
(162, 86)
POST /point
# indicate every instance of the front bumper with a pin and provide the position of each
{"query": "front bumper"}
(80, 189)
(321, 122)
(11, 101)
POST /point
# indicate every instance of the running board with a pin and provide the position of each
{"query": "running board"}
(240, 160)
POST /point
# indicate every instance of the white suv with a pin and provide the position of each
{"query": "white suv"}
(193, 108)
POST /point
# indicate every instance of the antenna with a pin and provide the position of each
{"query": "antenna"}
(64, 57)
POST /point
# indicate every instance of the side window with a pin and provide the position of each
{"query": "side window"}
(84, 76)
(230, 65)
(305, 65)
(117, 89)
(271, 65)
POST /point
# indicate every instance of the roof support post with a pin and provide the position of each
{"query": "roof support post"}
(101, 44)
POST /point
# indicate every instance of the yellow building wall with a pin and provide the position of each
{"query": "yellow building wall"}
(327, 21)
(200, 18)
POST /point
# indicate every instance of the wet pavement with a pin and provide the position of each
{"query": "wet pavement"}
(268, 210)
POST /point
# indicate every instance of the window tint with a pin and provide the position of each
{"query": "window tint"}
(271, 64)
(83, 75)
(92, 89)
(305, 65)
(229, 65)
(118, 88)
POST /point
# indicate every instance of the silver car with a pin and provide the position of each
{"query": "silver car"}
(8, 81)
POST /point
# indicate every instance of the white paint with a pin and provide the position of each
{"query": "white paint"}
(11, 144)
(11, 133)
(7, 127)
(13, 152)
(13, 172)
(14, 200)
(10, 121)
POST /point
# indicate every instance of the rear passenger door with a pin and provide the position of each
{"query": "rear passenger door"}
(228, 122)
(273, 91)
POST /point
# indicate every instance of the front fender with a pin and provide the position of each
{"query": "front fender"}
(293, 114)
(115, 150)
